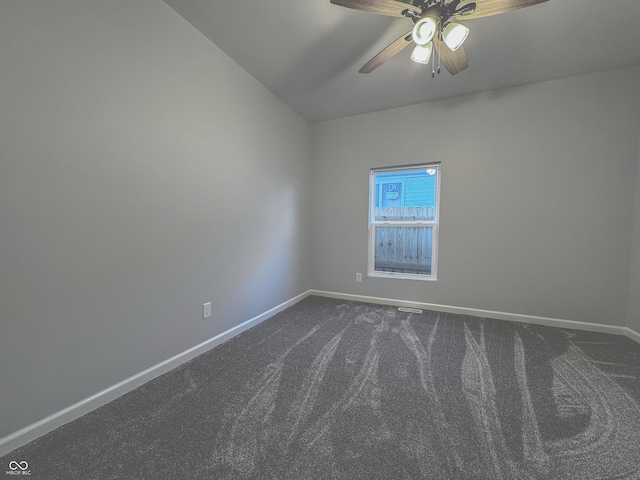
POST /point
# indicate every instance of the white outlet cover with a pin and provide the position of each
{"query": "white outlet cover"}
(206, 310)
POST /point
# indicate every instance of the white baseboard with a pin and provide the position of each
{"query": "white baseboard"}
(632, 334)
(37, 429)
(476, 312)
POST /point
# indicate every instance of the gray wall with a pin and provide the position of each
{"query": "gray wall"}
(536, 204)
(633, 304)
(142, 173)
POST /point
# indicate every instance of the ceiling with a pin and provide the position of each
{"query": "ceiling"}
(308, 52)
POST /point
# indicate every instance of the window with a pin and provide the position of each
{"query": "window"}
(403, 221)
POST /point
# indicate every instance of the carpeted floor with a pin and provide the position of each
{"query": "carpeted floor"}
(335, 389)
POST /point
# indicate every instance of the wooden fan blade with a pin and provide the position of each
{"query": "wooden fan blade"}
(392, 8)
(454, 62)
(387, 53)
(486, 8)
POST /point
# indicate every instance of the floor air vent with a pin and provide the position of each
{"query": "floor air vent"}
(409, 310)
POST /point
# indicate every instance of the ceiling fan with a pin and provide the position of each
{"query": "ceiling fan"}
(433, 28)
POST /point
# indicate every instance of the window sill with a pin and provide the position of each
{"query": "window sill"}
(403, 276)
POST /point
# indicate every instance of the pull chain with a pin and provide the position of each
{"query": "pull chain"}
(435, 51)
(433, 62)
(439, 40)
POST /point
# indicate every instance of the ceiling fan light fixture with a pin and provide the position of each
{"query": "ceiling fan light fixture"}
(422, 53)
(454, 35)
(424, 30)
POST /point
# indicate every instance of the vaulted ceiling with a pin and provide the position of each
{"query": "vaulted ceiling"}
(308, 52)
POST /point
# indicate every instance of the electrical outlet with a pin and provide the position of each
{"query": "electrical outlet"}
(358, 277)
(206, 310)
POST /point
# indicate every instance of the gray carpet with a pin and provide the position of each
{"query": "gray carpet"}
(334, 389)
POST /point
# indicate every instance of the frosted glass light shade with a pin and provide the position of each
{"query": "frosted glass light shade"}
(422, 53)
(454, 35)
(424, 30)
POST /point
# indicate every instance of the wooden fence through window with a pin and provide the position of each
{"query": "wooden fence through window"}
(404, 249)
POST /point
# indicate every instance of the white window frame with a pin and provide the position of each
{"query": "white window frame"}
(434, 224)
